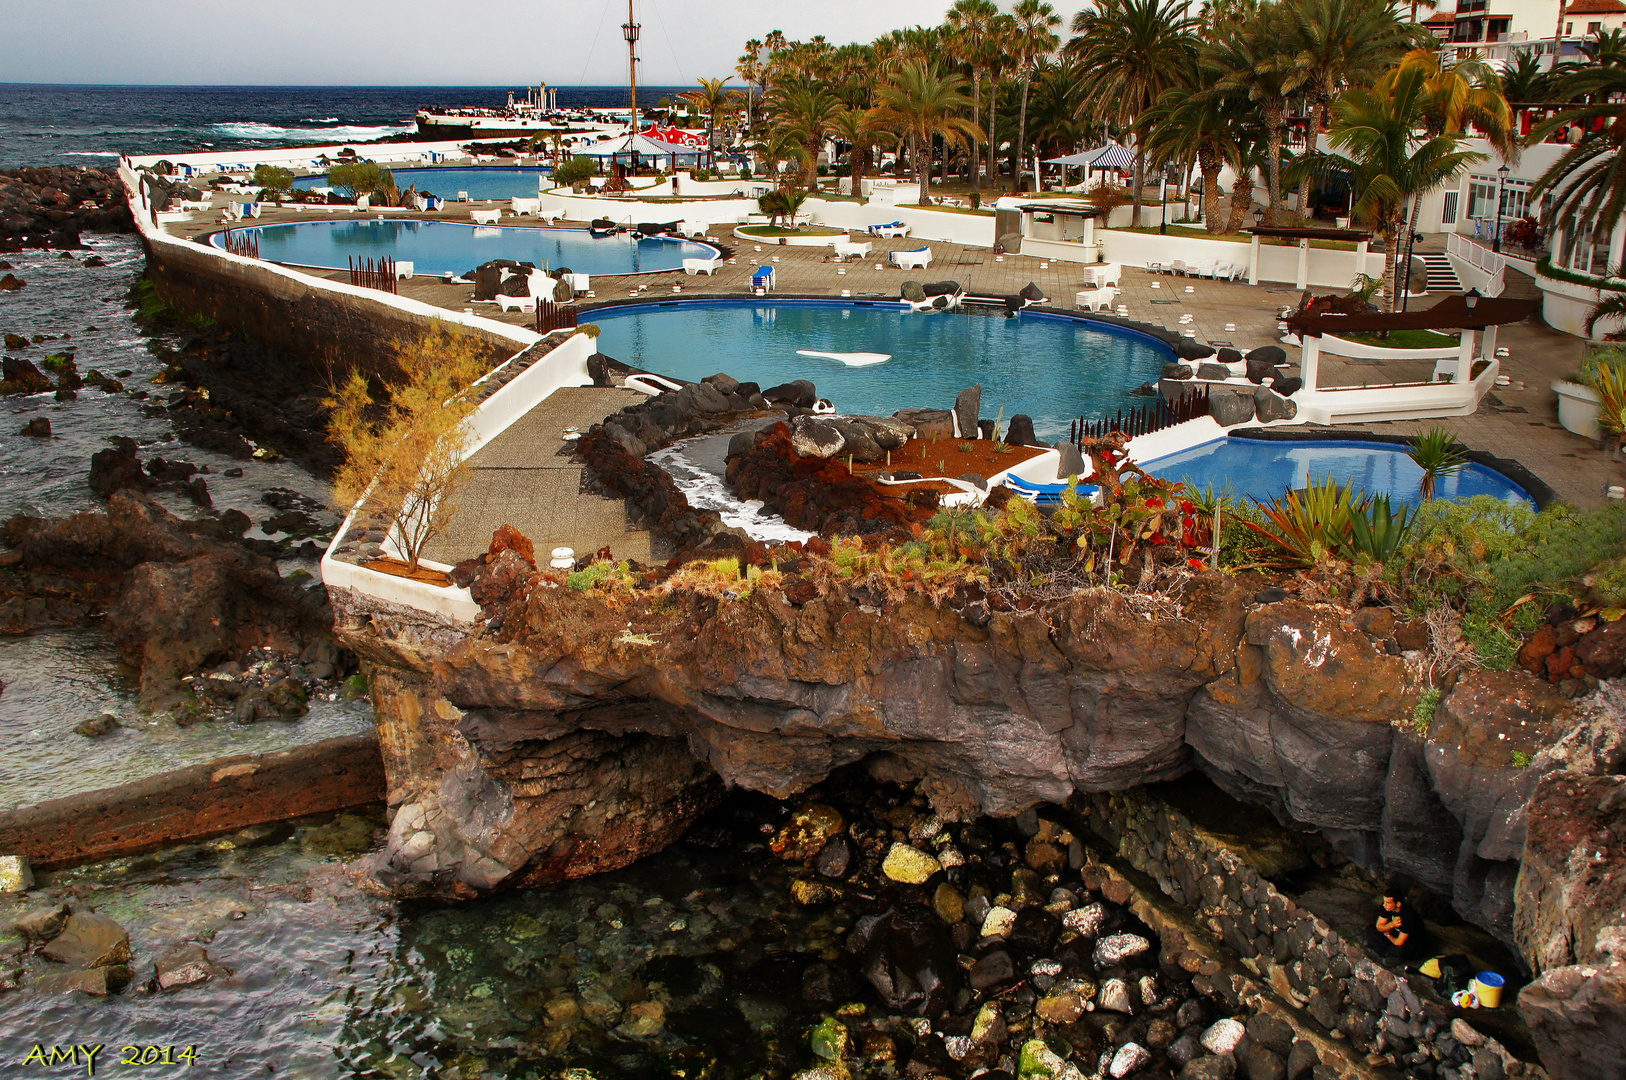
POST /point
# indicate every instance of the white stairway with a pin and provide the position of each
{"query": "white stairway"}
(1441, 276)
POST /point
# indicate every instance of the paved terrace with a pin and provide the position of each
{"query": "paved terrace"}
(520, 473)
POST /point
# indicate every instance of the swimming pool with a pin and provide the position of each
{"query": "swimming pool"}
(436, 247)
(488, 182)
(1051, 367)
(1265, 468)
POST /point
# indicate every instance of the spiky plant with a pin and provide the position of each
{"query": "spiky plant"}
(1439, 454)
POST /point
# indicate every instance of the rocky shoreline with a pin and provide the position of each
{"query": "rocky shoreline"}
(49, 206)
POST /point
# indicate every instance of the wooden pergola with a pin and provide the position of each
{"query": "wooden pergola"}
(1468, 313)
(1361, 237)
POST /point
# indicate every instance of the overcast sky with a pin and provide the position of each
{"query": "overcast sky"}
(413, 42)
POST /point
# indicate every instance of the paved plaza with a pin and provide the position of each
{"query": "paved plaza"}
(1518, 422)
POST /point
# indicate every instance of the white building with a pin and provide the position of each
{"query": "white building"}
(1497, 30)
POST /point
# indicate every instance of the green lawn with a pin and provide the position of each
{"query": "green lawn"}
(780, 230)
(1244, 238)
(1407, 339)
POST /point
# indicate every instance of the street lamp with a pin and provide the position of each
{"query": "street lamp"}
(1163, 201)
(1496, 236)
(1471, 298)
(629, 30)
(1258, 216)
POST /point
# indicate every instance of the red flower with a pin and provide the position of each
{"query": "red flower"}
(1187, 506)
(1158, 539)
(1155, 503)
(1195, 564)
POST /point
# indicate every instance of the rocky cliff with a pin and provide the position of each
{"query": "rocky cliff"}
(574, 730)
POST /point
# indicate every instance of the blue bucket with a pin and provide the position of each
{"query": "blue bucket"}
(1488, 988)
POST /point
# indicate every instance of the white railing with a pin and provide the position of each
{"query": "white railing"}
(1482, 257)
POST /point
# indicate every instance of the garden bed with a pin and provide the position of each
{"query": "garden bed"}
(946, 457)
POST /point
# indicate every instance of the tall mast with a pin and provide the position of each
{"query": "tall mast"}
(629, 30)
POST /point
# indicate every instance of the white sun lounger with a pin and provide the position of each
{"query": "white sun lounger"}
(1096, 299)
(700, 266)
(919, 259)
(1103, 274)
(485, 217)
(403, 268)
(519, 303)
(890, 231)
(853, 249)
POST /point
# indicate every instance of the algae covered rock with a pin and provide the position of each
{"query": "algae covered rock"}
(909, 866)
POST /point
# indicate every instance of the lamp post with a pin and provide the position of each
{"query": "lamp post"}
(1258, 216)
(1163, 201)
(629, 30)
(1471, 299)
(1496, 235)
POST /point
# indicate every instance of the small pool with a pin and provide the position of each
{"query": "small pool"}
(485, 182)
(436, 247)
(1053, 368)
(1264, 468)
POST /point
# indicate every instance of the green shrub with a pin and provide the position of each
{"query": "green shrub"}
(1423, 714)
(273, 177)
(575, 171)
(353, 178)
(745, 172)
(1610, 356)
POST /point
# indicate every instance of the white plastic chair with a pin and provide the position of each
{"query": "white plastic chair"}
(692, 267)
(485, 217)
(1177, 268)
(521, 303)
(1096, 299)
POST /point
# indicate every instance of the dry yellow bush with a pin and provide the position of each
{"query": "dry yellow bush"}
(404, 456)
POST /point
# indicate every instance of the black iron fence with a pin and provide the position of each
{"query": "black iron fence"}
(246, 244)
(1153, 416)
(374, 274)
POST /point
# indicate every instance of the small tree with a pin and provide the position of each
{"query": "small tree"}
(353, 178)
(404, 456)
(273, 177)
(574, 171)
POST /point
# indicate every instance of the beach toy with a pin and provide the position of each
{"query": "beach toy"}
(1465, 999)
(1487, 988)
(1431, 967)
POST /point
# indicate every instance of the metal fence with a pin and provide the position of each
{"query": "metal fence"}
(551, 316)
(374, 274)
(246, 244)
(1145, 419)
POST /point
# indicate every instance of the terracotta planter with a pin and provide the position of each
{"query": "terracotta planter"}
(1577, 408)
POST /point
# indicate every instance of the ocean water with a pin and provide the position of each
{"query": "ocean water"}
(89, 125)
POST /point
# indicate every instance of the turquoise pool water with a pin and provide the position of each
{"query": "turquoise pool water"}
(494, 182)
(435, 247)
(1052, 368)
(1265, 468)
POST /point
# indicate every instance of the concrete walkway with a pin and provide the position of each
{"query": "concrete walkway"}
(525, 478)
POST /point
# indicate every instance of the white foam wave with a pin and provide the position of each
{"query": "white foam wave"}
(253, 130)
(321, 119)
(87, 153)
(706, 491)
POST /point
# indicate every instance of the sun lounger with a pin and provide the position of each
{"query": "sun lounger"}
(763, 278)
(1103, 274)
(403, 268)
(1043, 493)
(525, 206)
(485, 217)
(918, 259)
(853, 249)
(700, 266)
(1096, 299)
(691, 228)
(579, 283)
(890, 231)
(517, 303)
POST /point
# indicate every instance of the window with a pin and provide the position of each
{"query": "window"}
(1594, 28)
(1569, 29)
(1481, 197)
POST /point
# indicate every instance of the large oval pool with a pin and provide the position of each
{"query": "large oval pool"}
(1264, 468)
(438, 247)
(1053, 368)
(484, 182)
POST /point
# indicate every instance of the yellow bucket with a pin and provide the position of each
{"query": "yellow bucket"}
(1487, 987)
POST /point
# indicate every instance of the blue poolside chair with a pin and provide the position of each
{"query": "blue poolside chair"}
(1043, 493)
(763, 278)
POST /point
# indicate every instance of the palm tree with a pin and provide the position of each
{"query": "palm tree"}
(1342, 43)
(1207, 129)
(782, 204)
(1389, 163)
(1588, 184)
(1134, 50)
(712, 98)
(1611, 307)
(775, 148)
(855, 128)
(1255, 57)
(1059, 107)
(923, 103)
(803, 110)
(970, 25)
(1001, 47)
(1035, 40)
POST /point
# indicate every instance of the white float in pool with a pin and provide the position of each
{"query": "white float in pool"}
(851, 359)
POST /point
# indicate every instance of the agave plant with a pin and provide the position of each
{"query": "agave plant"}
(1376, 529)
(1610, 385)
(1439, 454)
(1307, 527)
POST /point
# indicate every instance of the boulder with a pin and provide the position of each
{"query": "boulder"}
(89, 940)
(1269, 405)
(37, 428)
(42, 924)
(1176, 371)
(1071, 462)
(913, 292)
(1213, 371)
(800, 393)
(117, 468)
(1229, 356)
(1572, 882)
(97, 982)
(1229, 408)
(1287, 387)
(812, 436)
(1007, 243)
(1267, 354)
(104, 724)
(907, 956)
(16, 875)
(1577, 1019)
(807, 831)
(722, 383)
(928, 423)
(186, 965)
(967, 411)
(1020, 431)
(1032, 293)
(1187, 349)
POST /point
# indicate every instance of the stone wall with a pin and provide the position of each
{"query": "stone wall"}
(1333, 983)
(338, 330)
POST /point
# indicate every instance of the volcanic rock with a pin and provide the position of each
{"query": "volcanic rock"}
(89, 940)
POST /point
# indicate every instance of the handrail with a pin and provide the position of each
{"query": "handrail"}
(1477, 255)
